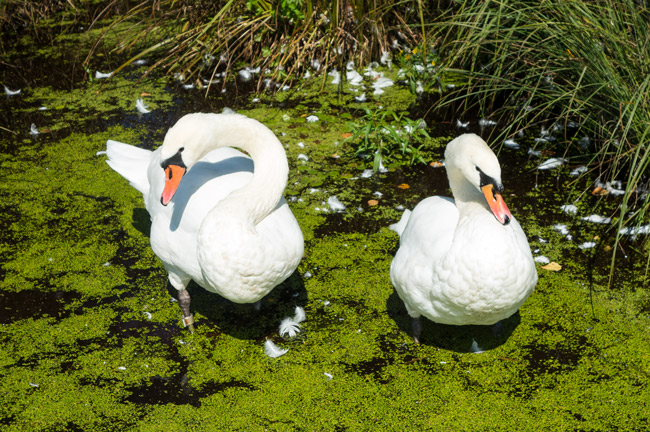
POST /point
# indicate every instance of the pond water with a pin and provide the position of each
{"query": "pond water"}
(91, 335)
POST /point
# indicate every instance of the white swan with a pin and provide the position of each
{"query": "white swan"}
(227, 226)
(464, 260)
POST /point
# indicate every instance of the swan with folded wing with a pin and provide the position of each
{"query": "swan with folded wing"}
(218, 216)
(464, 260)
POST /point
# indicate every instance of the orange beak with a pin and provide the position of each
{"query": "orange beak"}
(173, 176)
(497, 205)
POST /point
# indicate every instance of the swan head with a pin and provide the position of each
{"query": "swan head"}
(472, 164)
(185, 143)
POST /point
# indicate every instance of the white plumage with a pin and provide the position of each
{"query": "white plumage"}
(228, 227)
(464, 260)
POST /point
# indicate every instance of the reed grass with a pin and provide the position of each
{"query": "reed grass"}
(286, 38)
(533, 63)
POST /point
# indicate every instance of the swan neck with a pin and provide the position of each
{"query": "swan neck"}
(261, 195)
(465, 193)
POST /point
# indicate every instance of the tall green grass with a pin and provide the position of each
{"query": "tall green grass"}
(529, 63)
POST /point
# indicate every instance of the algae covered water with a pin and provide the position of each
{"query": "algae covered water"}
(91, 335)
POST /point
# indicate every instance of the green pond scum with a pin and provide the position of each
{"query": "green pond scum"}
(91, 338)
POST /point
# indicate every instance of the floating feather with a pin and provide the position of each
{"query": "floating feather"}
(299, 315)
(561, 228)
(569, 209)
(272, 350)
(311, 119)
(633, 231)
(551, 163)
(102, 75)
(461, 125)
(335, 204)
(483, 123)
(380, 84)
(289, 327)
(511, 144)
(366, 173)
(475, 348)
(336, 77)
(541, 259)
(577, 171)
(11, 92)
(33, 129)
(141, 107)
(597, 219)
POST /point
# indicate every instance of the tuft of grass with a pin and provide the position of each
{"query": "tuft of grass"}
(384, 135)
(533, 64)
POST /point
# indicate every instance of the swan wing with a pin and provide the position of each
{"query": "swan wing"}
(131, 163)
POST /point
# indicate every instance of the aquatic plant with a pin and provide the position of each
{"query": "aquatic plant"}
(580, 66)
(382, 134)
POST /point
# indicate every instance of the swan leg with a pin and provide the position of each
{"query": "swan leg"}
(496, 328)
(181, 283)
(416, 329)
(184, 302)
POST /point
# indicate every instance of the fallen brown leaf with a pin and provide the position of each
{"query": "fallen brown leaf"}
(552, 266)
(437, 164)
(372, 203)
(599, 191)
(346, 135)
(403, 186)
(143, 94)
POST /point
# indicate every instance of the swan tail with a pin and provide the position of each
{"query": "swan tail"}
(399, 226)
(130, 162)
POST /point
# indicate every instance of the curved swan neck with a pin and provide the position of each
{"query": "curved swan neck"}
(463, 191)
(262, 194)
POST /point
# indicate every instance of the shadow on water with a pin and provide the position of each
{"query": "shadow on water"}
(460, 339)
(243, 321)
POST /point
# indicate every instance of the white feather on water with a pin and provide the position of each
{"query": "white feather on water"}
(594, 218)
(381, 83)
(483, 123)
(569, 209)
(511, 144)
(354, 78)
(577, 171)
(289, 328)
(141, 107)
(33, 129)
(272, 350)
(633, 231)
(335, 204)
(561, 228)
(299, 315)
(336, 77)
(103, 75)
(475, 348)
(551, 163)
(367, 173)
(587, 245)
(9, 92)
(541, 259)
